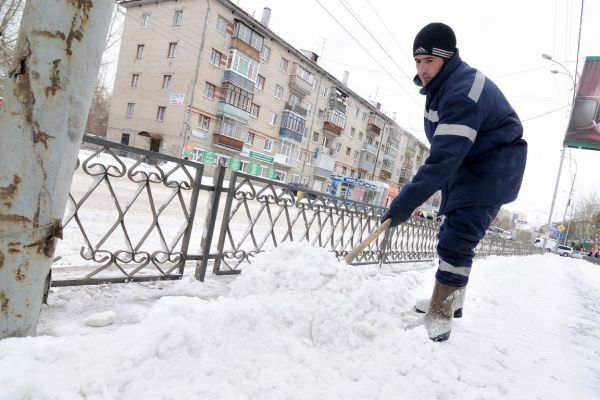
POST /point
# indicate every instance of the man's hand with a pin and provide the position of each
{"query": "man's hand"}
(396, 219)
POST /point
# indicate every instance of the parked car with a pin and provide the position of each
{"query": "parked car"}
(578, 254)
(550, 243)
(564, 251)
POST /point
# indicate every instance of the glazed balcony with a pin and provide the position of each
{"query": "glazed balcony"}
(383, 174)
(239, 44)
(227, 141)
(295, 108)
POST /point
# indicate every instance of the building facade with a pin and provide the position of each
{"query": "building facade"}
(203, 79)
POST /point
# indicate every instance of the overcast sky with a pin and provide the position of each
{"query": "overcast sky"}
(503, 39)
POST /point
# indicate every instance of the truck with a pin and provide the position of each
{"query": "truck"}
(550, 243)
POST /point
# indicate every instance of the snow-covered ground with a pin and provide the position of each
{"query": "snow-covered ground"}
(297, 324)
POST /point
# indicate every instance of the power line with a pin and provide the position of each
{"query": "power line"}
(546, 113)
(389, 31)
(349, 9)
(365, 50)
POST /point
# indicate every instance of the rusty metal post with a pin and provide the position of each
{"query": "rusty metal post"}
(47, 98)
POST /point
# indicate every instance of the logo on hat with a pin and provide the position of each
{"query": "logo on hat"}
(420, 50)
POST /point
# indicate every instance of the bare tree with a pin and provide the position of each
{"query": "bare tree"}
(10, 17)
(97, 120)
(585, 209)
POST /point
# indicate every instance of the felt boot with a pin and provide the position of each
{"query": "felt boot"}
(438, 319)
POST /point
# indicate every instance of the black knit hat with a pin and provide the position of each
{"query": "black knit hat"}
(435, 39)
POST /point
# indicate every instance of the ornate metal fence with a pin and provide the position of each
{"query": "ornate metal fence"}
(133, 216)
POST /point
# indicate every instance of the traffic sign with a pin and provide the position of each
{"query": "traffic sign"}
(561, 228)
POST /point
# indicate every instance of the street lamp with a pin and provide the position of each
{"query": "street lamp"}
(562, 155)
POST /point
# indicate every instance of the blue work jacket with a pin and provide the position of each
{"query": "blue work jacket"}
(477, 155)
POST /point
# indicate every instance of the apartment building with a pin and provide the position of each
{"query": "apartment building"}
(203, 79)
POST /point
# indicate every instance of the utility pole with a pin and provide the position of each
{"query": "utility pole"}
(47, 98)
(562, 156)
(312, 121)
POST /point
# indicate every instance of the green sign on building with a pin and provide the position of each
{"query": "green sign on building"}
(254, 169)
(209, 157)
(261, 157)
(271, 173)
(234, 163)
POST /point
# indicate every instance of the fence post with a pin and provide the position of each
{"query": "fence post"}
(48, 94)
(211, 219)
(193, 206)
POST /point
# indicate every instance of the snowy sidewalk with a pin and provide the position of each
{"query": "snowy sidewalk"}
(300, 325)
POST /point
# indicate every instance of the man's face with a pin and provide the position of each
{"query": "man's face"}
(428, 67)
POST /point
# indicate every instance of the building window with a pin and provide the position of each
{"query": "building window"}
(315, 137)
(351, 173)
(278, 92)
(357, 113)
(145, 20)
(203, 122)
(209, 90)
(273, 118)
(325, 91)
(360, 136)
(160, 113)
(172, 47)
(221, 25)
(250, 138)
(295, 178)
(260, 82)
(348, 150)
(130, 107)
(352, 132)
(364, 117)
(242, 64)
(299, 154)
(140, 51)
(166, 81)
(344, 170)
(309, 108)
(254, 110)
(215, 58)
(125, 138)
(265, 54)
(268, 144)
(236, 96)
(308, 159)
(338, 147)
(355, 155)
(177, 18)
(283, 65)
(134, 80)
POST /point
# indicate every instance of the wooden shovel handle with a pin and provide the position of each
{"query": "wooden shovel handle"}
(380, 229)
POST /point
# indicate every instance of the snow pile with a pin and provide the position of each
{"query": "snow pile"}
(297, 324)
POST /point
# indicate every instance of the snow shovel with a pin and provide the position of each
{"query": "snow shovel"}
(380, 229)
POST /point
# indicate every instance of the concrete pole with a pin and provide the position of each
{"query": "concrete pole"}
(48, 95)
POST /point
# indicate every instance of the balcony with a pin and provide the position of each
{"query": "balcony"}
(383, 174)
(373, 129)
(224, 108)
(296, 109)
(330, 128)
(245, 47)
(389, 157)
(410, 152)
(300, 86)
(366, 166)
(227, 141)
(324, 166)
(370, 148)
(238, 80)
(286, 133)
(282, 160)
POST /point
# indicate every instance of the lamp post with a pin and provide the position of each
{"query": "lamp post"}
(562, 154)
(569, 201)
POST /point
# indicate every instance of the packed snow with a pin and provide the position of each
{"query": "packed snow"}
(298, 324)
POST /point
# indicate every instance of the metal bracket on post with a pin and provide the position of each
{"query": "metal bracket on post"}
(211, 220)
